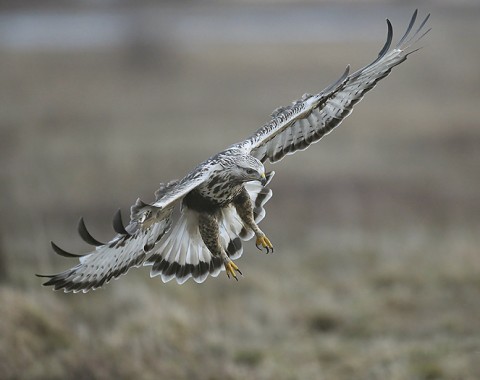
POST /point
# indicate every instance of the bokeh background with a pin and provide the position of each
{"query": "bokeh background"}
(376, 273)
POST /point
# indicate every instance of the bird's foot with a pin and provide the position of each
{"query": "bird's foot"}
(231, 268)
(264, 242)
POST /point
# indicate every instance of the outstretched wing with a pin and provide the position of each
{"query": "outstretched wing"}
(130, 247)
(307, 120)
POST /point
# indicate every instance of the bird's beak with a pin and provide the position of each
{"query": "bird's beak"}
(263, 181)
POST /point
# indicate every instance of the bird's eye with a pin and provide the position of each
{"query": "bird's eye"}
(250, 171)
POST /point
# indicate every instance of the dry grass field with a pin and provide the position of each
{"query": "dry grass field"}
(376, 273)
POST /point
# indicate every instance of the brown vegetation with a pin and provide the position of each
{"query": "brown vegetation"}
(376, 273)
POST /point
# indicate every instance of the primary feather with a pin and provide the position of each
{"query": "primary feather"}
(307, 120)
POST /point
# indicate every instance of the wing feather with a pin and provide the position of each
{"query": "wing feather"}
(307, 120)
(132, 244)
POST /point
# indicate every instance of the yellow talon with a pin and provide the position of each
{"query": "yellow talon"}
(263, 241)
(231, 268)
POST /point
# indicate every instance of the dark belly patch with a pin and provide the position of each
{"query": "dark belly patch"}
(195, 201)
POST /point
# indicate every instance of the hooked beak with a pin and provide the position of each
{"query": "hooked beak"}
(263, 181)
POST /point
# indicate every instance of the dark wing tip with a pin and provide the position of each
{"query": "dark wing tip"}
(388, 42)
(86, 236)
(409, 28)
(404, 43)
(344, 75)
(383, 50)
(118, 225)
(421, 27)
(61, 252)
(44, 275)
(339, 81)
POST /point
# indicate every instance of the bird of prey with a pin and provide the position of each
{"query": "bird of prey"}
(222, 200)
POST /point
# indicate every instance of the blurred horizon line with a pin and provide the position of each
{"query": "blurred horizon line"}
(193, 26)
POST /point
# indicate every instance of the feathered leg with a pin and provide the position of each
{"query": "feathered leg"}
(209, 231)
(244, 207)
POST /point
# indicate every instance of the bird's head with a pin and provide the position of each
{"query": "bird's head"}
(246, 168)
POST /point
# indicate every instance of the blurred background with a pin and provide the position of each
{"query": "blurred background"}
(376, 272)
